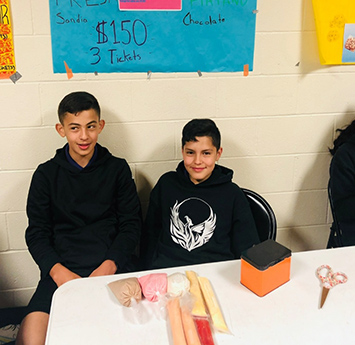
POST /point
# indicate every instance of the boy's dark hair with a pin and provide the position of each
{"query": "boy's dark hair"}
(345, 134)
(201, 128)
(76, 102)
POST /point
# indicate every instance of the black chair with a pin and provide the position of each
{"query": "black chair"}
(264, 216)
(335, 237)
(12, 317)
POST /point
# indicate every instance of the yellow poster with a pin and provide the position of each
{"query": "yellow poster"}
(331, 18)
(7, 56)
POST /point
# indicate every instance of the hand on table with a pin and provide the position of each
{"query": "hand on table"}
(108, 267)
(60, 274)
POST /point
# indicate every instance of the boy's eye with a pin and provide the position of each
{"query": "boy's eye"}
(207, 153)
(189, 152)
(73, 128)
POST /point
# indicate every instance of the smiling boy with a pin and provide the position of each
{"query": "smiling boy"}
(83, 212)
(82, 134)
(197, 214)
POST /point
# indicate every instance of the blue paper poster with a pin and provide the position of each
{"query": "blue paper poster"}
(206, 35)
(349, 43)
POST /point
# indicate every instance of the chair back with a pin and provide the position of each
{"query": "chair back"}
(263, 214)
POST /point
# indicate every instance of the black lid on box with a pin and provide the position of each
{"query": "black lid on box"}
(265, 254)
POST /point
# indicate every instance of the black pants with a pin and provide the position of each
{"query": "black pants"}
(42, 298)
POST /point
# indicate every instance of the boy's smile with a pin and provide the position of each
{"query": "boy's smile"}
(200, 158)
(82, 131)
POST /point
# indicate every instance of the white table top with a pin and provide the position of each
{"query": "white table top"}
(85, 311)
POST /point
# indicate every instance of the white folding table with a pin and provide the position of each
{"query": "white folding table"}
(85, 311)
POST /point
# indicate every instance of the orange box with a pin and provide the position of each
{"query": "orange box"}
(265, 267)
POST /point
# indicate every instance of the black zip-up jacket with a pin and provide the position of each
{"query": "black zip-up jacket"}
(80, 218)
(342, 184)
(191, 223)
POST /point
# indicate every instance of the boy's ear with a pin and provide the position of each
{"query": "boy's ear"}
(101, 125)
(59, 128)
(219, 153)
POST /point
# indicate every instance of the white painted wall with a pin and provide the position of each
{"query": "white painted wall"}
(276, 125)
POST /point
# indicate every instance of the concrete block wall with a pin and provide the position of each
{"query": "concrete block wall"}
(276, 126)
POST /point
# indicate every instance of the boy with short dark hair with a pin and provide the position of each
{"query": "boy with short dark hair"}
(83, 211)
(197, 214)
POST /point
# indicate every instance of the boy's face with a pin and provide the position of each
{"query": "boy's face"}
(82, 131)
(200, 158)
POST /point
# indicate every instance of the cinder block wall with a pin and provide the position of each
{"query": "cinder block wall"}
(276, 125)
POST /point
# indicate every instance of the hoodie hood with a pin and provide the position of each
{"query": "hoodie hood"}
(60, 158)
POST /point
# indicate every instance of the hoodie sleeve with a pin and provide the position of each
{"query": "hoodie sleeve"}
(129, 220)
(151, 230)
(39, 233)
(244, 232)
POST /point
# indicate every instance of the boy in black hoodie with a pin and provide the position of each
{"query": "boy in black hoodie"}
(197, 214)
(83, 211)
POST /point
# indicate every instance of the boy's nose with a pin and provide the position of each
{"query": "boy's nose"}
(83, 134)
(198, 159)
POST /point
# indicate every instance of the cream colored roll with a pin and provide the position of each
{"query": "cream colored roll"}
(213, 305)
(178, 284)
(198, 306)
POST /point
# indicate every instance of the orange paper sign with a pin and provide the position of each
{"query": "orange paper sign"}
(68, 70)
(246, 70)
(7, 56)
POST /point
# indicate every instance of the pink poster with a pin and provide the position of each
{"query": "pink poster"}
(150, 5)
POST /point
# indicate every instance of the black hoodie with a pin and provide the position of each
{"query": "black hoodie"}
(191, 223)
(80, 218)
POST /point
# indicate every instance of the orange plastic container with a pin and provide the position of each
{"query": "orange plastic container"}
(265, 267)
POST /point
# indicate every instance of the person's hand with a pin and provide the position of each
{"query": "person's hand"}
(60, 274)
(108, 267)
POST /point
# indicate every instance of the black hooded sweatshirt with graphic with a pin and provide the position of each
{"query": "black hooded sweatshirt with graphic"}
(80, 218)
(189, 223)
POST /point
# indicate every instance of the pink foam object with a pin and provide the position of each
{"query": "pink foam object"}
(153, 285)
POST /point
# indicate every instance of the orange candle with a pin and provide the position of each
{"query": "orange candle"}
(177, 331)
(190, 330)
